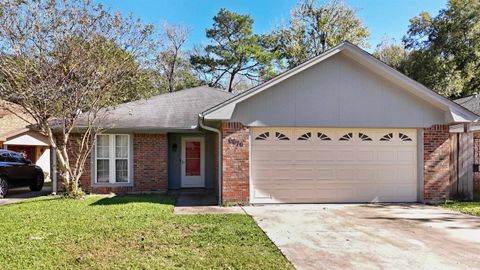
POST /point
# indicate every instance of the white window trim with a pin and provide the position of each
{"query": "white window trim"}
(112, 157)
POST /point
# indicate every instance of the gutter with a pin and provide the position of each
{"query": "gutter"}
(219, 133)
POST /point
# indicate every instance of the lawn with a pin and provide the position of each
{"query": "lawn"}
(471, 208)
(128, 232)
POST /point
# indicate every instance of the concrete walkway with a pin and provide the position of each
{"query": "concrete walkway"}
(18, 194)
(201, 202)
(389, 236)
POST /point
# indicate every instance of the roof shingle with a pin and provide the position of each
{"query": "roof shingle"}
(177, 110)
(471, 103)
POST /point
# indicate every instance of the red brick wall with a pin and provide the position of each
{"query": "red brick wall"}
(150, 162)
(476, 160)
(149, 166)
(436, 163)
(235, 163)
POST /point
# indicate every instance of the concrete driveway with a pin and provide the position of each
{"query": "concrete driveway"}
(385, 236)
(18, 194)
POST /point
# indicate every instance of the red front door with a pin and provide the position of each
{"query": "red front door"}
(193, 162)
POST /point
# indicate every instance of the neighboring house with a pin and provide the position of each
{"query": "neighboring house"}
(472, 103)
(342, 127)
(17, 135)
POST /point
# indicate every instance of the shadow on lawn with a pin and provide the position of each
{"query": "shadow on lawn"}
(126, 199)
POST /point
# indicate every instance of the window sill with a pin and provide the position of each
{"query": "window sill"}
(130, 184)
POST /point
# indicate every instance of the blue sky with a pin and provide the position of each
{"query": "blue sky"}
(382, 17)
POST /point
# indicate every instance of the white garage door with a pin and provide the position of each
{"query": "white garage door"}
(313, 165)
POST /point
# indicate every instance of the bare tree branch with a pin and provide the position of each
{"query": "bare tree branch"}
(65, 63)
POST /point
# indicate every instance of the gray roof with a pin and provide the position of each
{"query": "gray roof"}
(177, 110)
(471, 103)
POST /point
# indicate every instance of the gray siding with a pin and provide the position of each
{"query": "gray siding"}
(338, 92)
(174, 159)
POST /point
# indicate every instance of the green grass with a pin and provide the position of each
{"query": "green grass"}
(128, 232)
(471, 208)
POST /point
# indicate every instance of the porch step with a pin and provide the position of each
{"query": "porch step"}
(196, 199)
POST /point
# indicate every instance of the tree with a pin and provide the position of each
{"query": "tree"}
(234, 51)
(172, 63)
(391, 53)
(445, 50)
(313, 28)
(64, 63)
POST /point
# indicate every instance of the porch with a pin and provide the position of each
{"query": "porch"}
(192, 173)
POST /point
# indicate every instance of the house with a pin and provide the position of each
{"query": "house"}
(472, 103)
(341, 127)
(17, 134)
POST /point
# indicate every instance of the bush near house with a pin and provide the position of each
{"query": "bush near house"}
(129, 232)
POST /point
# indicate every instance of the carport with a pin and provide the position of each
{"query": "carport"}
(32, 144)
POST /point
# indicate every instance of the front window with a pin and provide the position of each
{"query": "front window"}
(112, 158)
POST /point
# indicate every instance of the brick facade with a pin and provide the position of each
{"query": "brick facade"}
(476, 160)
(150, 162)
(436, 163)
(149, 167)
(235, 152)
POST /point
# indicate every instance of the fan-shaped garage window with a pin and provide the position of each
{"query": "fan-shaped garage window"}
(323, 136)
(404, 137)
(364, 137)
(305, 137)
(263, 136)
(346, 137)
(281, 136)
(387, 137)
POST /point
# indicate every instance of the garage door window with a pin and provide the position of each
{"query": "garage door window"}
(387, 137)
(404, 137)
(263, 136)
(281, 136)
(323, 137)
(346, 137)
(364, 137)
(305, 137)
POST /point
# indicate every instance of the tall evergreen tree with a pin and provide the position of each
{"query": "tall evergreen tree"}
(234, 51)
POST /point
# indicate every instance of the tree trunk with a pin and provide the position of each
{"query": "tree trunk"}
(171, 77)
(232, 77)
(70, 182)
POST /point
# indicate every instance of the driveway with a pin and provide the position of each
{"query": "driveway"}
(18, 194)
(358, 236)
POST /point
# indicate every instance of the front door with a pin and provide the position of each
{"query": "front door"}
(193, 175)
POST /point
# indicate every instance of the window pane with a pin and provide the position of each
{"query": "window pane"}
(103, 146)
(102, 170)
(121, 167)
(18, 158)
(192, 150)
(192, 158)
(10, 158)
(121, 146)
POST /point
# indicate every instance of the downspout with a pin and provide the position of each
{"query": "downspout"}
(219, 134)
